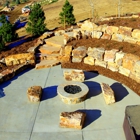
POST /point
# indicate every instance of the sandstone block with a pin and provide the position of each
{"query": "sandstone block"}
(101, 28)
(88, 26)
(79, 52)
(112, 66)
(136, 68)
(64, 59)
(96, 53)
(32, 49)
(96, 34)
(136, 33)
(72, 119)
(20, 58)
(34, 93)
(7, 74)
(106, 36)
(46, 49)
(125, 31)
(135, 77)
(111, 30)
(89, 60)
(47, 64)
(56, 41)
(119, 58)
(108, 93)
(129, 60)
(110, 55)
(59, 32)
(130, 39)
(124, 71)
(117, 37)
(66, 51)
(74, 75)
(76, 59)
(47, 35)
(100, 63)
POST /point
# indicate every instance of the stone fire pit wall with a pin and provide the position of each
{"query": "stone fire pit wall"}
(72, 98)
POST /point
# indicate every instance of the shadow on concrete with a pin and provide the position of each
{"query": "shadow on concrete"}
(8, 82)
(119, 90)
(1, 93)
(94, 88)
(49, 92)
(91, 116)
(89, 75)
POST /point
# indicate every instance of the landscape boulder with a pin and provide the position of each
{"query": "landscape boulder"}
(136, 33)
(89, 60)
(34, 93)
(24, 58)
(111, 30)
(118, 37)
(108, 93)
(72, 119)
(125, 30)
(74, 75)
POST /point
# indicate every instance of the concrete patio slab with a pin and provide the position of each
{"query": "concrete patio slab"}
(22, 120)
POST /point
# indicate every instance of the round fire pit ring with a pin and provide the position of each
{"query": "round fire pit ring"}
(72, 92)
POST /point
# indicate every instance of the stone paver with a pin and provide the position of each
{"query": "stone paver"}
(22, 120)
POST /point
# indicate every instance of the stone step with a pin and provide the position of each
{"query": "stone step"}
(56, 41)
(46, 49)
(42, 56)
(46, 64)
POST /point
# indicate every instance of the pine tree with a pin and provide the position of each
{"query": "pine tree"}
(66, 16)
(17, 1)
(7, 30)
(36, 25)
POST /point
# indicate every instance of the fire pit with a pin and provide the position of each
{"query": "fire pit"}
(72, 92)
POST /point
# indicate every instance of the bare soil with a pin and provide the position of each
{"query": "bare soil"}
(108, 45)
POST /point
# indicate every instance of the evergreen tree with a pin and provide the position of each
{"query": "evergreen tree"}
(7, 30)
(36, 25)
(66, 16)
(17, 1)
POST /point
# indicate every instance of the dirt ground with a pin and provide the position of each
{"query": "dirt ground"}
(125, 47)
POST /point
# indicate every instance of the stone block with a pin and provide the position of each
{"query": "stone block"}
(108, 93)
(56, 41)
(110, 55)
(74, 75)
(20, 59)
(100, 28)
(111, 30)
(34, 93)
(124, 71)
(96, 34)
(32, 49)
(100, 63)
(66, 51)
(59, 32)
(125, 31)
(106, 36)
(112, 66)
(64, 59)
(46, 49)
(47, 35)
(79, 52)
(88, 26)
(96, 53)
(130, 39)
(7, 74)
(89, 60)
(136, 68)
(72, 119)
(129, 60)
(119, 58)
(47, 64)
(117, 37)
(135, 77)
(136, 33)
(76, 59)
